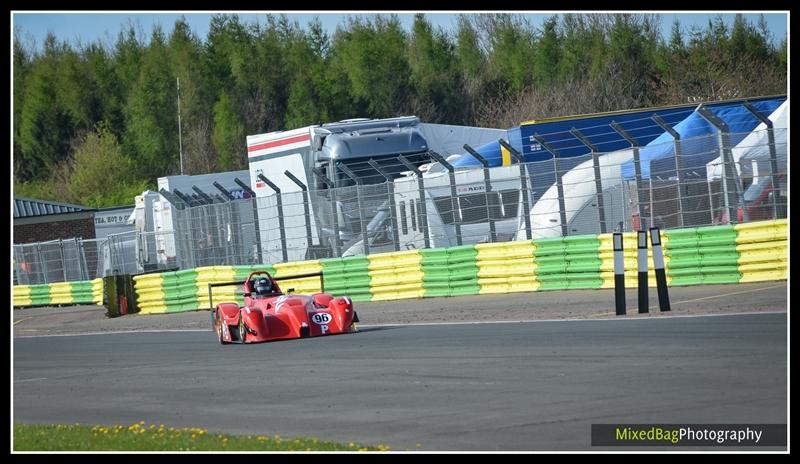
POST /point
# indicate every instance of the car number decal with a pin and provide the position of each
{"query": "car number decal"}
(321, 318)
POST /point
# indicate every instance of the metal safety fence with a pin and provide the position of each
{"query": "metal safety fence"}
(723, 178)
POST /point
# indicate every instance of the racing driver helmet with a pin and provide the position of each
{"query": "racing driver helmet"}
(263, 286)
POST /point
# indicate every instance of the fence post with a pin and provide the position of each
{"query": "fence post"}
(453, 194)
(773, 158)
(488, 188)
(334, 210)
(42, 263)
(562, 208)
(731, 196)
(598, 183)
(306, 203)
(281, 226)
(637, 167)
(254, 203)
(81, 264)
(678, 164)
(358, 181)
(422, 201)
(234, 224)
(392, 205)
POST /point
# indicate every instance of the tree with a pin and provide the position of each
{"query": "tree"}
(45, 127)
(371, 55)
(196, 97)
(548, 52)
(228, 134)
(435, 77)
(512, 51)
(151, 113)
(100, 172)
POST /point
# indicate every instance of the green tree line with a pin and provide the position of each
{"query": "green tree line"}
(97, 123)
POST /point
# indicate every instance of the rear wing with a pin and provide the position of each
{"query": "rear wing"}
(241, 282)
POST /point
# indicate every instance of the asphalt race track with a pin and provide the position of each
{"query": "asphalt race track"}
(490, 386)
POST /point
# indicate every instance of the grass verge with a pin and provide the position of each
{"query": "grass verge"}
(142, 437)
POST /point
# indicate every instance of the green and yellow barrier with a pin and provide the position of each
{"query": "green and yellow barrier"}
(752, 252)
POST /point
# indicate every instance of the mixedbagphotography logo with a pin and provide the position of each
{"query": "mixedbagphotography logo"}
(688, 434)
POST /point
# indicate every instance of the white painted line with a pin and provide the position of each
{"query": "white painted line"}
(23, 319)
(583, 319)
(725, 294)
(30, 380)
(114, 332)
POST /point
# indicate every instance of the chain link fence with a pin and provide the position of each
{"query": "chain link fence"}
(701, 181)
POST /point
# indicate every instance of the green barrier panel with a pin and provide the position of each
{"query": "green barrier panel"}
(584, 266)
(461, 254)
(433, 257)
(436, 273)
(730, 278)
(182, 295)
(436, 276)
(694, 279)
(546, 246)
(465, 290)
(719, 260)
(550, 267)
(553, 285)
(586, 284)
(355, 262)
(437, 292)
(685, 262)
(549, 260)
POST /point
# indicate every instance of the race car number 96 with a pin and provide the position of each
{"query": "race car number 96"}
(321, 318)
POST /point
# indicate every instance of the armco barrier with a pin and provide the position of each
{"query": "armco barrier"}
(752, 252)
(568, 262)
(506, 267)
(762, 248)
(347, 276)
(702, 255)
(396, 275)
(62, 293)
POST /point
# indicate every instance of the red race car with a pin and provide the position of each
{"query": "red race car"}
(269, 314)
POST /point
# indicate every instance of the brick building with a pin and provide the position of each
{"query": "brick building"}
(40, 221)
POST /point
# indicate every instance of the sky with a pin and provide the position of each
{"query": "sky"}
(89, 27)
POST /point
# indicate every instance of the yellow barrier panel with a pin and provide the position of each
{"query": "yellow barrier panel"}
(159, 308)
(506, 267)
(97, 291)
(389, 277)
(61, 293)
(505, 250)
(631, 278)
(305, 285)
(215, 274)
(22, 295)
(396, 275)
(490, 285)
(764, 276)
(410, 259)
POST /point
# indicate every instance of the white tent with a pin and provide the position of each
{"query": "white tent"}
(755, 147)
(579, 189)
